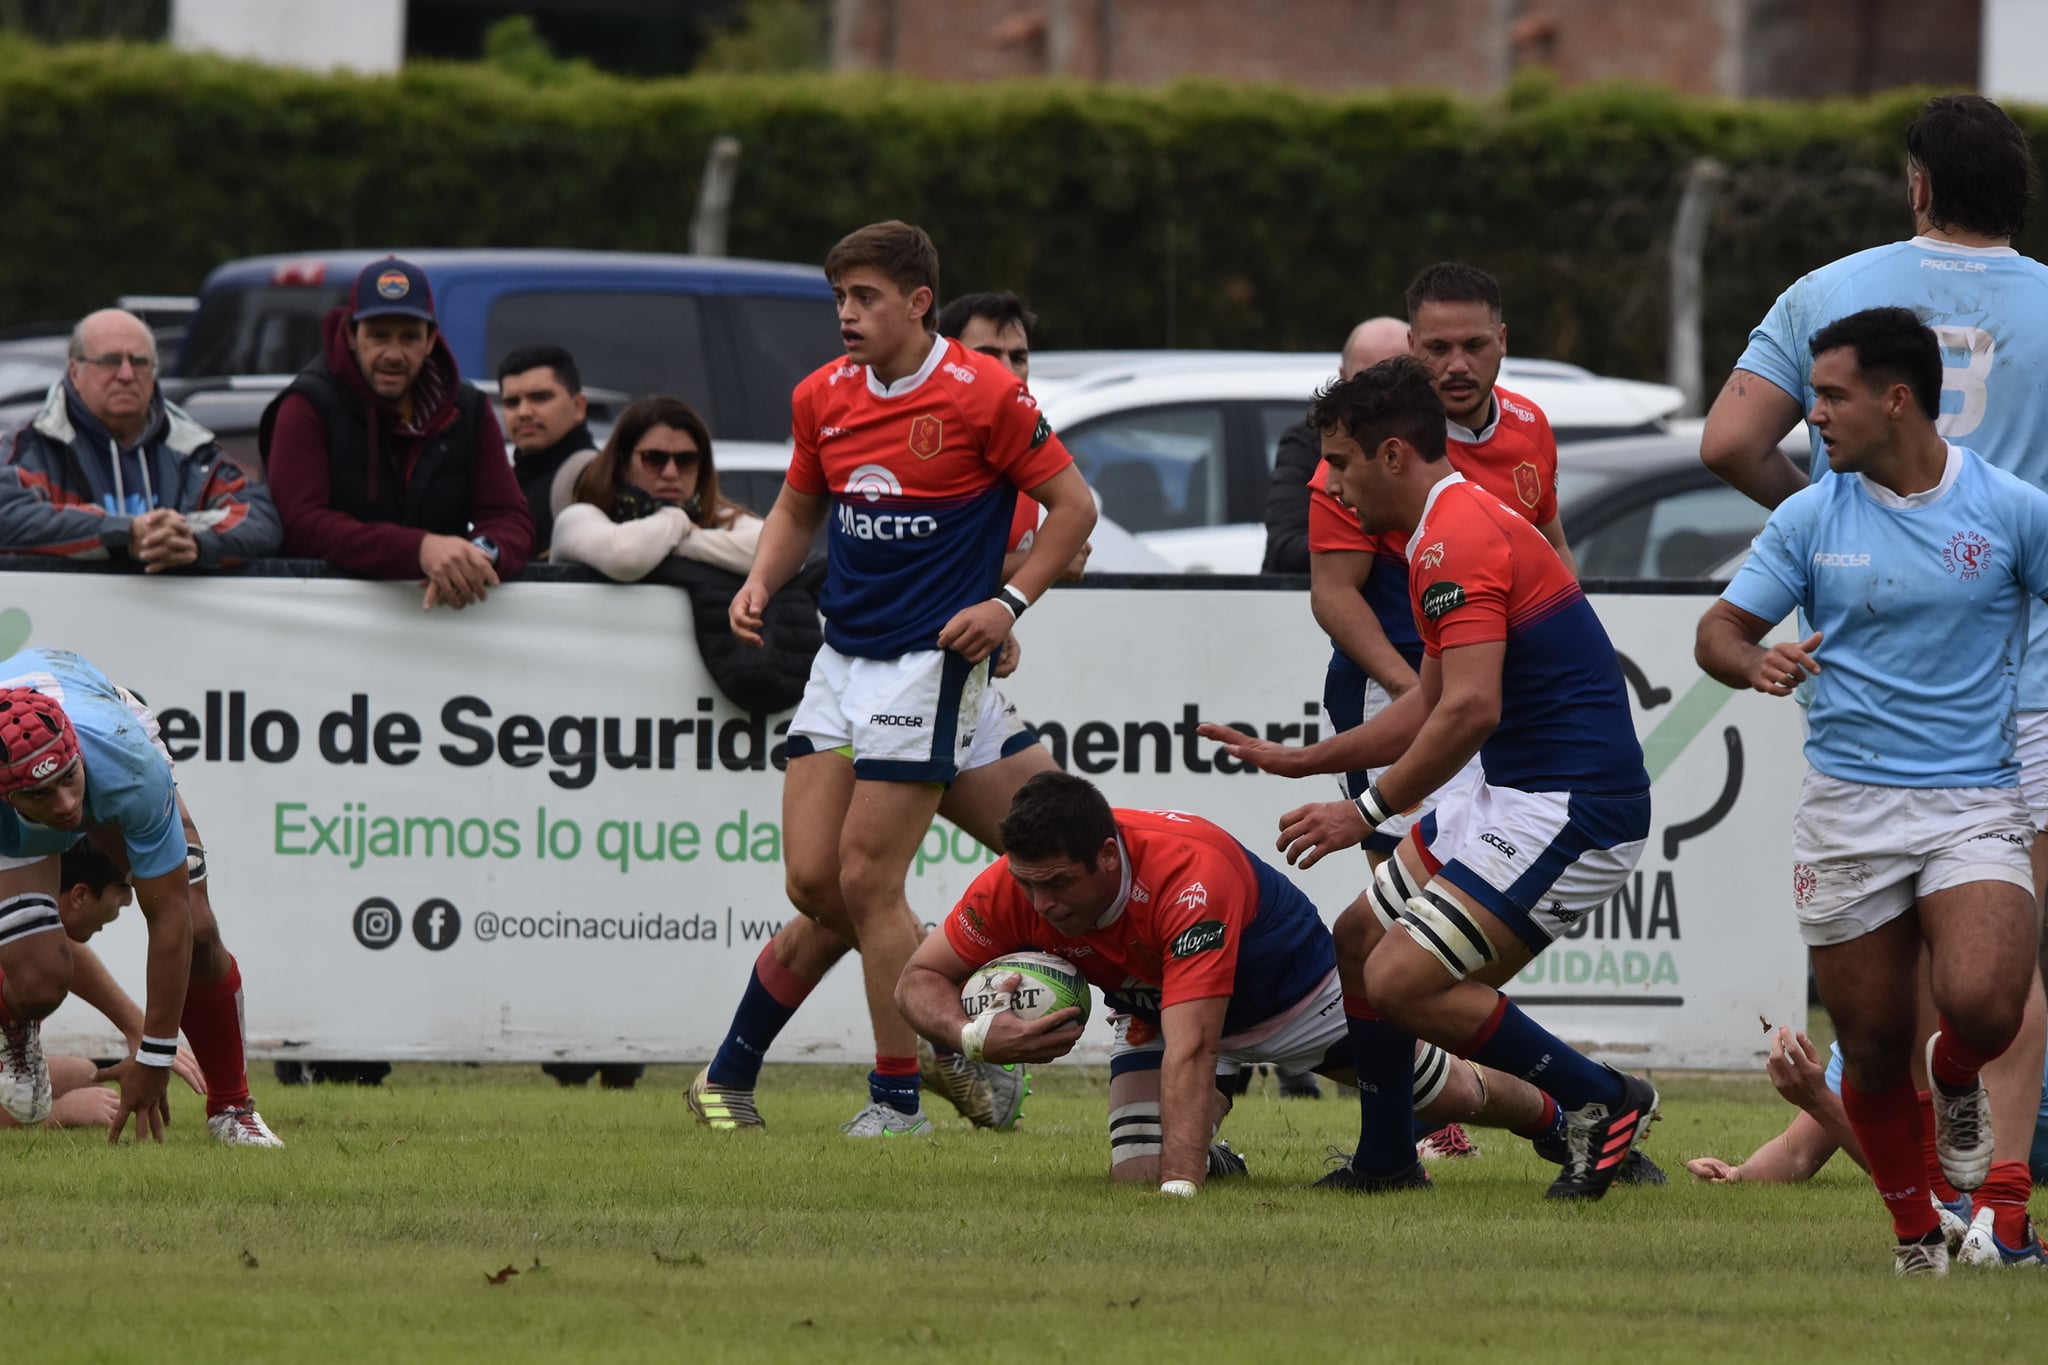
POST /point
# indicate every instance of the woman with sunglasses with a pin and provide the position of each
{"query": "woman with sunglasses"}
(652, 492)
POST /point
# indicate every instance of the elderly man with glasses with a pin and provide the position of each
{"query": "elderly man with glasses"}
(109, 469)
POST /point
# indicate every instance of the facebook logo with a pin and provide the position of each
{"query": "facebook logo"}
(436, 924)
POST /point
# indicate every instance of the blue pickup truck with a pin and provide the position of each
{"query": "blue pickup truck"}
(731, 337)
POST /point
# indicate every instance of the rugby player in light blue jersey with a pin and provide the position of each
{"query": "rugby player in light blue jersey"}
(1968, 171)
(1914, 567)
(80, 757)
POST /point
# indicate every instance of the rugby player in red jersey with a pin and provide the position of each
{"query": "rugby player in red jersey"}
(1209, 955)
(1517, 669)
(916, 448)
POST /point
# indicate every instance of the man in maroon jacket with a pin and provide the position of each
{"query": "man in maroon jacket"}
(383, 462)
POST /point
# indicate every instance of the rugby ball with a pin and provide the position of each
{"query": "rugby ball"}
(1048, 984)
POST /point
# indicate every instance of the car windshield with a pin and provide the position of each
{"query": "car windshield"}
(1577, 484)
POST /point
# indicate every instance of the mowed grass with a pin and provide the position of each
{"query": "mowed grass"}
(639, 1236)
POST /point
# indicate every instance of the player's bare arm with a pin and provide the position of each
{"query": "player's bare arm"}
(1462, 693)
(1334, 580)
(976, 631)
(786, 536)
(92, 983)
(1374, 744)
(1192, 1030)
(1727, 648)
(1740, 443)
(928, 994)
(166, 907)
(1553, 531)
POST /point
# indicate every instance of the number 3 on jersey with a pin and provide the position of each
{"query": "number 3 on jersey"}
(1975, 347)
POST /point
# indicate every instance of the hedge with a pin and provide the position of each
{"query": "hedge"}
(1197, 215)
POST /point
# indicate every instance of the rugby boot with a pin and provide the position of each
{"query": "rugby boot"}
(1446, 1143)
(1955, 1220)
(24, 1075)
(241, 1127)
(718, 1107)
(987, 1094)
(1981, 1247)
(1929, 1256)
(1962, 1129)
(1224, 1162)
(1598, 1139)
(880, 1120)
(1353, 1181)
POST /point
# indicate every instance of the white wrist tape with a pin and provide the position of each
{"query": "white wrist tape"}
(1183, 1189)
(974, 1037)
(156, 1051)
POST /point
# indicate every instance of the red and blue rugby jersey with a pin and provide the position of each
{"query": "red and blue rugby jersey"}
(1198, 917)
(1478, 572)
(923, 478)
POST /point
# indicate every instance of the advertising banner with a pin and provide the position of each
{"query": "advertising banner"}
(533, 830)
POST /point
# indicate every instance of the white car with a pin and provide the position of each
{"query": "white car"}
(1179, 445)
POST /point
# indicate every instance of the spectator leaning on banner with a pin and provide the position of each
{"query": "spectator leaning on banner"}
(542, 395)
(383, 462)
(651, 493)
(1301, 449)
(110, 470)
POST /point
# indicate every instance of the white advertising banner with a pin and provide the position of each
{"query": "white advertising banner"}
(534, 830)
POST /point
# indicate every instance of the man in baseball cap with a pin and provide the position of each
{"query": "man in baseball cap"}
(383, 462)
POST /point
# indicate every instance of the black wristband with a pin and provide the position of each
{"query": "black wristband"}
(1012, 599)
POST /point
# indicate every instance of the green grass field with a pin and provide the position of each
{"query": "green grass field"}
(638, 1236)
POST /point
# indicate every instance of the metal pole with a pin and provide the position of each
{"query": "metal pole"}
(1688, 246)
(714, 197)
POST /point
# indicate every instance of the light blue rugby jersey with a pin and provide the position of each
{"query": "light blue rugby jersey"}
(127, 781)
(1989, 307)
(1922, 604)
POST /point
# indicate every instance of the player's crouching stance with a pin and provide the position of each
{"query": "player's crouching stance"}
(1915, 563)
(1214, 957)
(1517, 669)
(80, 757)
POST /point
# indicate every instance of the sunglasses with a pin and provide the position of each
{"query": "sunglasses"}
(658, 460)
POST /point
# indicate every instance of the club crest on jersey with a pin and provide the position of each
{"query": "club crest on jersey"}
(1968, 555)
(927, 433)
(1528, 484)
(873, 482)
(1439, 598)
(1432, 556)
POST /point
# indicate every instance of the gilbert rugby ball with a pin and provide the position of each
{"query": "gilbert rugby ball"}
(1048, 984)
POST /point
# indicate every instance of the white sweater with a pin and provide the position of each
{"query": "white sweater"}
(629, 550)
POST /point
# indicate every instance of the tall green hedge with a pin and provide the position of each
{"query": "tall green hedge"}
(1200, 215)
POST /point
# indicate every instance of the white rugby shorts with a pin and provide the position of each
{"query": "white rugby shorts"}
(908, 719)
(998, 732)
(1862, 854)
(1537, 861)
(2032, 752)
(1376, 701)
(1299, 1039)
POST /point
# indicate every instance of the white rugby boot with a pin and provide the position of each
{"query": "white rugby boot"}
(1962, 1129)
(24, 1075)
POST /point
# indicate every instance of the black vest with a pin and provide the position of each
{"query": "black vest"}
(439, 496)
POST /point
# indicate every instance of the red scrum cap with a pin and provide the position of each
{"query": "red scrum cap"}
(36, 739)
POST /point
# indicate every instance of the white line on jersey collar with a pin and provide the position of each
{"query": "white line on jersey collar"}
(1415, 537)
(910, 381)
(1123, 889)
(1957, 248)
(1884, 497)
